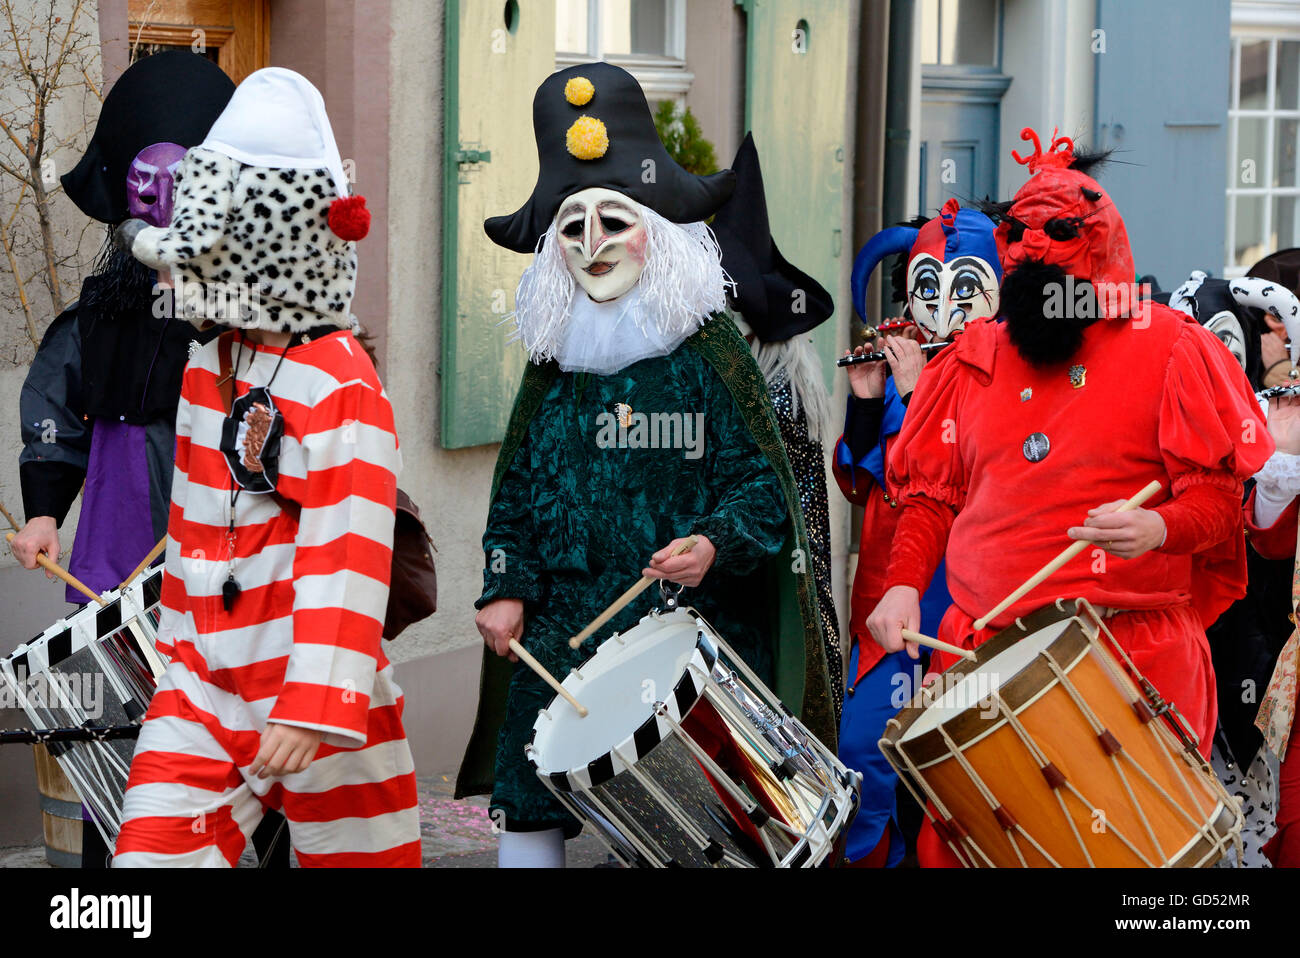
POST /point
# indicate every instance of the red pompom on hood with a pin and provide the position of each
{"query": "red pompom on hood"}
(1072, 203)
(349, 219)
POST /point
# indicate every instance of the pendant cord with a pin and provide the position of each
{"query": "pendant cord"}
(231, 589)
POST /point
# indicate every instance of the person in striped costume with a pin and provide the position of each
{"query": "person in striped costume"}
(278, 694)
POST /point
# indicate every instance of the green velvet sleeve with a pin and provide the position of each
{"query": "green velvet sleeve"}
(511, 568)
(747, 525)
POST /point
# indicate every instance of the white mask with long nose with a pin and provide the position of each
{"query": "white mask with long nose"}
(944, 297)
(603, 238)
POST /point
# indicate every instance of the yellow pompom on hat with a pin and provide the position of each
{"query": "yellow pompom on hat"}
(579, 91)
(587, 138)
(608, 139)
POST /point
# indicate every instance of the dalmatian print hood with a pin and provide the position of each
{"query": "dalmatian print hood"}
(264, 230)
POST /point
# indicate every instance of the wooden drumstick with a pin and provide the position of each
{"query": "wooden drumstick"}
(919, 639)
(1066, 555)
(547, 677)
(13, 522)
(154, 553)
(49, 565)
(621, 602)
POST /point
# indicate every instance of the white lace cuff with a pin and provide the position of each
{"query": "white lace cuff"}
(1275, 486)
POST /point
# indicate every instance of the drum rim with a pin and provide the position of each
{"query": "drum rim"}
(56, 643)
(1019, 692)
(1224, 822)
(647, 736)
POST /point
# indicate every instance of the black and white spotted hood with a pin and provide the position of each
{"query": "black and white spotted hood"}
(250, 244)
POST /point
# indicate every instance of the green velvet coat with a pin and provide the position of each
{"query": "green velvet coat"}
(572, 522)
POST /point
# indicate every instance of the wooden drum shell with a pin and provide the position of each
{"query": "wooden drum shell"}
(1148, 804)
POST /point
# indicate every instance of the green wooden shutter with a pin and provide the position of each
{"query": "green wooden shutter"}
(795, 107)
(496, 55)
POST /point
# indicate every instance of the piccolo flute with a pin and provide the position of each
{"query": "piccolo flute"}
(1274, 392)
(877, 357)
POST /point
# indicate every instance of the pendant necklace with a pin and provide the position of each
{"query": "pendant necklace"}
(230, 589)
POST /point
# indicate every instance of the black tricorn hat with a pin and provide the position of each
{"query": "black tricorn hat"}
(594, 128)
(768, 286)
(170, 97)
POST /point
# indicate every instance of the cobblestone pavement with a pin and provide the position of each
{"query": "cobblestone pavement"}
(454, 834)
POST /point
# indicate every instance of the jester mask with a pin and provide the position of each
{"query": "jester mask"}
(951, 275)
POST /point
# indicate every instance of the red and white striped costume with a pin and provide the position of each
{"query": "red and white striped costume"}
(301, 645)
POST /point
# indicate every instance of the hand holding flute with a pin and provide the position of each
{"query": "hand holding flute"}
(906, 359)
(854, 359)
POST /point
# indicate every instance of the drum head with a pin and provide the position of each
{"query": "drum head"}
(974, 687)
(619, 686)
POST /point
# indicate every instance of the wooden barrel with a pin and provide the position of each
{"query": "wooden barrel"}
(60, 812)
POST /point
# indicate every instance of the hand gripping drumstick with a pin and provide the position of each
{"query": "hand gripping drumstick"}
(1066, 555)
(547, 677)
(154, 553)
(919, 639)
(621, 602)
(48, 565)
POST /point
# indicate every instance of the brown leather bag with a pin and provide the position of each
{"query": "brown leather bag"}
(413, 585)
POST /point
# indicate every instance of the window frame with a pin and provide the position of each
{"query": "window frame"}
(939, 68)
(661, 77)
(1271, 22)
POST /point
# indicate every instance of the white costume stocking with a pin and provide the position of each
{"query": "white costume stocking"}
(543, 849)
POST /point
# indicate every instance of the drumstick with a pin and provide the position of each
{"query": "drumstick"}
(10, 518)
(546, 676)
(154, 553)
(619, 603)
(919, 639)
(48, 565)
(1066, 555)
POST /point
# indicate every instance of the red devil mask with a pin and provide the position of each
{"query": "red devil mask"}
(1063, 217)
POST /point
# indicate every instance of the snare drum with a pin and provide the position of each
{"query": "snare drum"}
(687, 759)
(1043, 752)
(96, 667)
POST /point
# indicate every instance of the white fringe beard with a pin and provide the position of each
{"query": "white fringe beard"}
(683, 283)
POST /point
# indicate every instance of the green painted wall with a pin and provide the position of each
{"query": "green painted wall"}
(492, 69)
(797, 81)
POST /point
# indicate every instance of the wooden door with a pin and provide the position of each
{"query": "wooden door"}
(235, 34)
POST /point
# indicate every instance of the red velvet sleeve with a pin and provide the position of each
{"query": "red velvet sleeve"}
(919, 543)
(1199, 518)
(1211, 428)
(927, 470)
(1277, 541)
(926, 458)
(1212, 434)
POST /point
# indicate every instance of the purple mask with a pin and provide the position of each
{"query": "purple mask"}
(149, 183)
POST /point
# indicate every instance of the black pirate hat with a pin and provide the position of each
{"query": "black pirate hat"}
(170, 97)
(776, 298)
(594, 128)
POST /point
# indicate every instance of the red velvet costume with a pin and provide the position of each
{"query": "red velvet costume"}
(879, 522)
(1158, 398)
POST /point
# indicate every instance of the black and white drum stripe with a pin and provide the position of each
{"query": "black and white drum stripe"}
(651, 732)
(86, 625)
